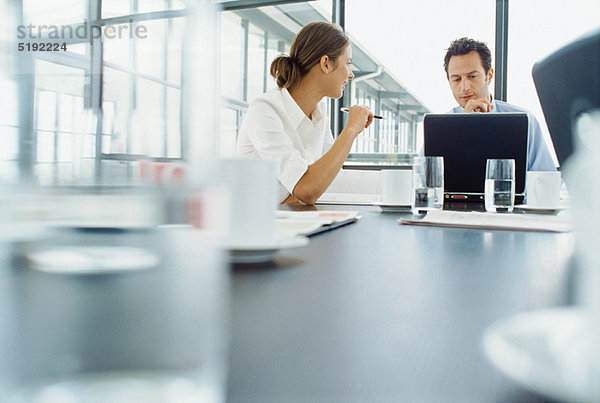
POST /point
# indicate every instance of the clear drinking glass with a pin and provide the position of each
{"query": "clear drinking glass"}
(138, 316)
(500, 185)
(428, 175)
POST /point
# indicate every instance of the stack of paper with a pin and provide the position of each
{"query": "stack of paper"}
(523, 222)
(307, 223)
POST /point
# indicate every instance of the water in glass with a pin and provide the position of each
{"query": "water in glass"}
(499, 195)
(429, 199)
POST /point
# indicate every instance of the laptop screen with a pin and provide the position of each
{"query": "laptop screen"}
(467, 140)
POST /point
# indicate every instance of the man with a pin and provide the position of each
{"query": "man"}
(468, 65)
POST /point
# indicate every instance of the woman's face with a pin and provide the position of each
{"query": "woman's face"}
(341, 74)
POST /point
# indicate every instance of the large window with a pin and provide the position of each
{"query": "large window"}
(398, 49)
(114, 8)
(42, 12)
(59, 101)
(9, 132)
(133, 79)
(143, 77)
(252, 38)
(410, 39)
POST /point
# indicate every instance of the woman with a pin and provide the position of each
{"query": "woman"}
(289, 124)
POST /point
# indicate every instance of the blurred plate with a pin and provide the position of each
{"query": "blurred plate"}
(252, 252)
(539, 210)
(91, 224)
(92, 259)
(263, 253)
(549, 352)
(106, 211)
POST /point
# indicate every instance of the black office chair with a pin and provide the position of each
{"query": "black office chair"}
(568, 84)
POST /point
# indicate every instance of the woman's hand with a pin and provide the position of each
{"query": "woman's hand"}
(321, 173)
(359, 118)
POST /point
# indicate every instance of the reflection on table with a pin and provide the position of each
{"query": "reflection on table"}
(377, 311)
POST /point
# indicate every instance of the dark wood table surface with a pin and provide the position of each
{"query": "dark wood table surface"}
(381, 312)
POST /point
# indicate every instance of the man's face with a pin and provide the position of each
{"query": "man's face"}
(467, 78)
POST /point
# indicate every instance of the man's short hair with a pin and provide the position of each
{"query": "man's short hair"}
(463, 46)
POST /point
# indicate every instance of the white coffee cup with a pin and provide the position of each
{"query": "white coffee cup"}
(247, 217)
(396, 187)
(543, 189)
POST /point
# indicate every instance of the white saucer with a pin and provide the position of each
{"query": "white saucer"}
(393, 208)
(100, 224)
(265, 252)
(549, 352)
(246, 252)
(92, 259)
(539, 210)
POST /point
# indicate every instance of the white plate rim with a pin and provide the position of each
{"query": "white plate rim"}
(517, 364)
(274, 245)
(99, 225)
(382, 205)
(278, 242)
(261, 254)
(530, 208)
(38, 260)
(398, 208)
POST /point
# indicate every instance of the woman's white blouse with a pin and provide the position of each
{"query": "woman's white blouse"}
(276, 128)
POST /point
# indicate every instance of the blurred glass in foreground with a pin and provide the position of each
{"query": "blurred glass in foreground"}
(582, 174)
(98, 300)
(136, 317)
(573, 116)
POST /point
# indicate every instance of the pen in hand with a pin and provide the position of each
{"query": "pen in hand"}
(347, 110)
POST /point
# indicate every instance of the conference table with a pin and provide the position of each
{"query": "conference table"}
(377, 311)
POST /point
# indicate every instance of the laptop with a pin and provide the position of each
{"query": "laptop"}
(467, 140)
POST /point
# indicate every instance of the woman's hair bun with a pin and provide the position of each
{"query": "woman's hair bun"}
(310, 44)
(285, 71)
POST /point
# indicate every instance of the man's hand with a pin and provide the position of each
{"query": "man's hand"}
(478, 105)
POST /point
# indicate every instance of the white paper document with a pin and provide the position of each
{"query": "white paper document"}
(353, 186)
(523, 222)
